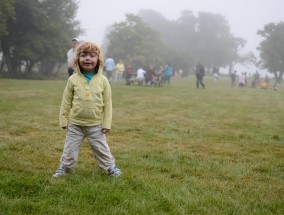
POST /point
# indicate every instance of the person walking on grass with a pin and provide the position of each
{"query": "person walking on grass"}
(71, 54)
(199, 72)
(86, 111)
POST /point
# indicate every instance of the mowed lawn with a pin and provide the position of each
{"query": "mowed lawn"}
(218, 150)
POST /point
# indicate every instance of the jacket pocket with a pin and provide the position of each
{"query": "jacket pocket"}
(87, 110)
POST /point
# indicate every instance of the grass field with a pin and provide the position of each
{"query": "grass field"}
(182, 151)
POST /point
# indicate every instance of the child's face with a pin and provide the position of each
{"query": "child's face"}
(88, 61)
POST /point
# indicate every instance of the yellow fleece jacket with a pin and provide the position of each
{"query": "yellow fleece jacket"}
(86, 104)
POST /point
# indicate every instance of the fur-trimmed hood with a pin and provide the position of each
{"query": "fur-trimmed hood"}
(89, 46)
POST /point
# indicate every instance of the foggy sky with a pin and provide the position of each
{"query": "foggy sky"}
(244, 17)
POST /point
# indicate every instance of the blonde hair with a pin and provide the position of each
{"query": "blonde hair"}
(89, 46)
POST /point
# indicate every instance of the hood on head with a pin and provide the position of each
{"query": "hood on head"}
(89, 46)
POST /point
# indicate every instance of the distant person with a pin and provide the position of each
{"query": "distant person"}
(109, 67)
(275, 86)
(215, 73)
(140, 75)
(263, 84)
(119, 71)
(86, 112)
(150, 72)
(158, 73)
(256, 78)
(71, 55)
(167, 74)
(199, 72)
(233, 78)
(128, 74)
(242, 80)
(246, 79)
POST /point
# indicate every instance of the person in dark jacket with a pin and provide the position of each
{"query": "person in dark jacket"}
(199, 72)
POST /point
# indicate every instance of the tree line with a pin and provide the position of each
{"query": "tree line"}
(35, 34)
(149, 38)
(185, 41)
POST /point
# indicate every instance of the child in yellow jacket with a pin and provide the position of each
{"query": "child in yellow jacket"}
(86, 111)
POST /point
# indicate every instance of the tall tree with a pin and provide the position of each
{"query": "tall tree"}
(216, 45)
(134, 41)
(272, 49)
(38, 35)
(6, 12)
(177, 37)
(205, 38)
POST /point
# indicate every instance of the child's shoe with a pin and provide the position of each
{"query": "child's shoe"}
(59, 173)
(114, 172)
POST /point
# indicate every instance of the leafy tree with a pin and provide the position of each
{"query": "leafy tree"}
(183, 41)
(186, 32)
(205, 38)
(177, 37)
(134, 41)
(216, 45)
(6, 12)
(38, 36)
(272, 49)
(157, 21)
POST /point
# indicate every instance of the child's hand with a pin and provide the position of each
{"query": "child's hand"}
(105, 130)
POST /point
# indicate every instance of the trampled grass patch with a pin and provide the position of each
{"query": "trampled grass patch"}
(182, 151)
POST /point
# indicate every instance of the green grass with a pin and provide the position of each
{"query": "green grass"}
(182, 151)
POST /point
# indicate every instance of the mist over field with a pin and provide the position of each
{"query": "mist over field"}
(245, 18)
(245, 36)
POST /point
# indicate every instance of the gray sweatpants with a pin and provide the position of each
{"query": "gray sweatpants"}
(97, 140)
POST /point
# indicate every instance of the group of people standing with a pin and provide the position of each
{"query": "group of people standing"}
(159, 75)
(118, 70)
(256, 80)
(242, 79)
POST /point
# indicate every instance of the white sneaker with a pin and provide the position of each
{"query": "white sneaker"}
(59, 173)
(114, 172)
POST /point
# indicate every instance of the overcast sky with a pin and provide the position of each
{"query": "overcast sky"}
(245, 17)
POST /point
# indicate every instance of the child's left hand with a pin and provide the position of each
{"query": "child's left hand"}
(105, 130)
